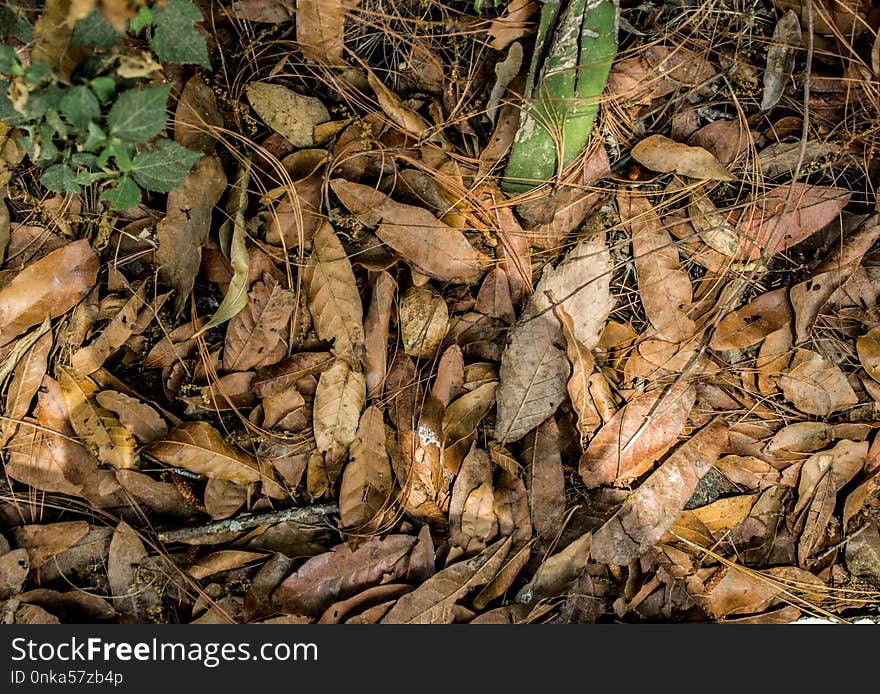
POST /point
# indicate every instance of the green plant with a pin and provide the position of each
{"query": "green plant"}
(104, 125)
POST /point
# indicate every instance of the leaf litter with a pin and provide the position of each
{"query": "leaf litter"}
(337, 376)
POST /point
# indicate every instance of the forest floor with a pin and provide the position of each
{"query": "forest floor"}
(278, 343)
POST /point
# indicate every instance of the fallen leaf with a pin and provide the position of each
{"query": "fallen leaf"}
(794, 440)
(339, 401)
(186, 224)
(342, 573)
(423, 241)
(580, 384)
(125, 555)
(198, 447)
(724, 514)
(268, 11)
(863, 555)
(289, 114)
(14, 568)
(432, 602)
(26, 380)
(424, 318)
(461, 416)
(224, 560)
(223, 498)
(43, 542)
(365, 492)
(545, 480)
(817, 386)
(472, 520)
(652, 509)
(753, 322)
(62, 278)
(659, 153)
(255, 337)
(320, 29)
(557, 571)
(410, 121)
(640, 433)
(376, 332)
(98, 428)
(89, 359)
(740, 592)
(512, 24)
(334, 301)
(197, 119)
(664, 286)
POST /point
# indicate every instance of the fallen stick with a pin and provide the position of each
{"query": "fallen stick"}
(244, 522)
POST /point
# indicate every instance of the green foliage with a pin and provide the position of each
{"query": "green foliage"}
(100, 129)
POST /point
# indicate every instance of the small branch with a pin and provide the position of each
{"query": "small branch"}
(302, 514)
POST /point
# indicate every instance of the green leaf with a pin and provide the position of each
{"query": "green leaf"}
(139, 114)
(48, 151)
(38, 72)
(60, 178)
(86, 178)
(94, 30)
(41, 101)
(104, 87)
(120, 152)
(141, 20)
(89, 161)
(9, 64)
(96, 138)
(175, 39)
(15, 24)
(163, 168)
(80, 107)
(124, 195)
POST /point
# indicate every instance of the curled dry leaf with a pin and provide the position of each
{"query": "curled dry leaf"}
(339, 401)
(50, 286)
(659, 153)
(461, 417)
(534, 370)
(652, 509)
(736, 591)
(423, 241)
(376, 332)
(255, 337)
(198, 447)
(664, 287)
(817, 386)
(557, 571)
(641, 431)
(868, 347)
(26, 380)
(89, 359)
(424, 318)
(780, 58)
(407, 119)
(98, 428)
(342, 573)
(433, 601)
(334, 301)
(365, 493)
(580, 386)
(291, 115)
(186, 225)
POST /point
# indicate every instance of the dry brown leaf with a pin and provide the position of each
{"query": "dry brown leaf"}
(224, 560)
(793, 440)
(256, 336)
(659, 153)
(14, 568)
(320, 29)
(724, 514)
(432, 602)
(342, 573)
(863, 555)
(534, 370)
(472, 520)
(494, 299)
(376, 332)
(641, 431)
(334, 301)
(339, 401)
(89, 359)
(780, 58)
(403, 116)
(740, 592)
(50, 286)
(817, 386)
(197, 116)
(749, 472)
(126, 553)
(223, 498)
(461, 417)
(162, 497)
(365, 492)
(198, 447)
(26, 380)
(512, 506)
(424, 318)
(269, 11)
(291, 115)
(344, 610)
(769, 226)
(652, 509)
(43, 542)
(98, 428)
(868, 347)
(186, 224)
(423, 241)
(450, 378)
(499, 585)
(753, 322)
(545, 479)
(664, 286)
(773, 358)
(511, 25)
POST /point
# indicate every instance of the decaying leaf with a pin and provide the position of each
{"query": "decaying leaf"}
(641, 431)
(339, 401)
(424, 318)
(472, 519)
(817, 386)
(255, 337)
(138, 417)
(651, 510)
(365, 492)
(376, 332)
(780, 58)
(545, 479)
(26, 380)
(126, 552)
(753, 322)
(462, 416)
